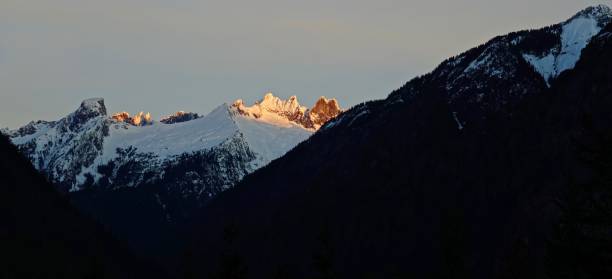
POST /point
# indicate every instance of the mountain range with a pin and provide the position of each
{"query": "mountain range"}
(494, 165)
(88, 148)
(156, 174)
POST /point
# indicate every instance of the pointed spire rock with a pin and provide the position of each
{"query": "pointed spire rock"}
(89, 109)
(92, 107)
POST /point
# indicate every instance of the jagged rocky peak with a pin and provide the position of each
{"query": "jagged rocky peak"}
(91, 108)
(270, 104)
(140, 119)
(272, 108)
(179, 116)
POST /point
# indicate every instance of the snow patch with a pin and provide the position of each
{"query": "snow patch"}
(575, 36)
(459, 124)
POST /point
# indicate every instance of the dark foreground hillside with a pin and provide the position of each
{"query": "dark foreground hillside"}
(42, 236)
(403, 188)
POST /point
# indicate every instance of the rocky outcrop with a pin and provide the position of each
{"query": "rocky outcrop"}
(140, 119)
(323, 111)
(121, 116)
(179, 116)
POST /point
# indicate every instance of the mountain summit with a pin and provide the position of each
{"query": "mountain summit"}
(575, 34)
(275, 110)
(74, 151)
(601, 13)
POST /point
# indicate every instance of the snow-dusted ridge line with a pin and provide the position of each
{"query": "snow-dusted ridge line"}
(497, 74)
(83, 147)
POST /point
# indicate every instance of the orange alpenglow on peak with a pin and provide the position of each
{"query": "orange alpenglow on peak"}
(140, 119)
(323, 111)
(291, 110)
(121, 116)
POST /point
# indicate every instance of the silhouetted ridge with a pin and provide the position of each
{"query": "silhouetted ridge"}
(42, 236)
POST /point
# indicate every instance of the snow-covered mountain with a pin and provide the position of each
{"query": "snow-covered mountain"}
(88, 148)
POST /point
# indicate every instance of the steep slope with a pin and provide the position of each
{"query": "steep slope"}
(42, 236)
(60, 148)
(455, 175)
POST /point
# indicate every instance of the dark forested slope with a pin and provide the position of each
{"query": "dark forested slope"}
(42, 236)
(424, 184)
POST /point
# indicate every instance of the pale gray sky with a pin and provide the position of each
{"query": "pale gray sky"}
(162, 56)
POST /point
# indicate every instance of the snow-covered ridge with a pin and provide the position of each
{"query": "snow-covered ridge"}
(274, 110)
(87, 147)
(575, 35)
(497, 74)
(144, 119)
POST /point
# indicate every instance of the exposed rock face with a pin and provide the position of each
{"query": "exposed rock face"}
(89, 109)
(140, 119)
(121, 116)
(323, 111)
(272, 108)
(60, 149)
(179, 116)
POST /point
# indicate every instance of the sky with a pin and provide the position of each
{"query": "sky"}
(163, 56)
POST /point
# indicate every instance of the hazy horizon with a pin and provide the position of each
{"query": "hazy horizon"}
(165, 56)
